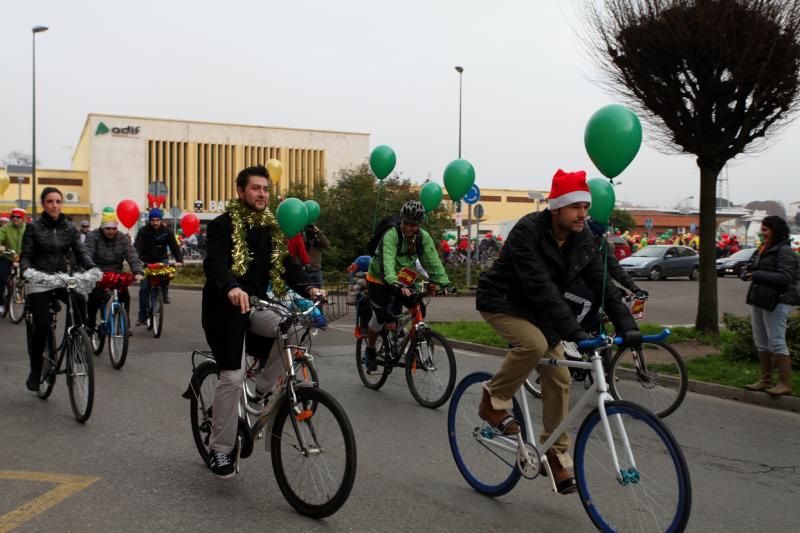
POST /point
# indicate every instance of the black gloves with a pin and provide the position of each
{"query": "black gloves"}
(640, 293)
(632, 338)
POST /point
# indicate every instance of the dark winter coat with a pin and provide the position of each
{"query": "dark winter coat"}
(774, 278)
(52, 246)
(532, 273)
(223, 323)
(151, 245)
(109, 254)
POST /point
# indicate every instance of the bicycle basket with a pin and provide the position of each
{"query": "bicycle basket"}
(336, 306)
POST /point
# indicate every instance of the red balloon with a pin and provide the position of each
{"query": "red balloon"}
(190, 224)
(128, 213)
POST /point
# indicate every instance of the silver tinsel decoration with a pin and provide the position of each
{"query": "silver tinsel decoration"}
(83, 282)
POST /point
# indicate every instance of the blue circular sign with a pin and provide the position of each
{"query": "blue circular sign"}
(473, 195)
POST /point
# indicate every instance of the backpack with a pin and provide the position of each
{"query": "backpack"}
(383, 226)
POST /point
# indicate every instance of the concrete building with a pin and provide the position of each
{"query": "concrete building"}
(118, 157)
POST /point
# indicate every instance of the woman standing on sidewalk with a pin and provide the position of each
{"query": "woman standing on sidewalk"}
(773, 292)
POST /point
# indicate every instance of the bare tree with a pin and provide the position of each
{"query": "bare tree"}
(772, 207)
(17, 157)
(712, 78)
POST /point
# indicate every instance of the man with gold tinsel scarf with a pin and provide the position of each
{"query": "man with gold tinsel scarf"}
(247, 256)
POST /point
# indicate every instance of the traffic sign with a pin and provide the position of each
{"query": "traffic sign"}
(478, 211)
(473, 195)
(175, 212)
(23, 204)
(157, 188)
(459, 218)
(693, 228)
(648, 223)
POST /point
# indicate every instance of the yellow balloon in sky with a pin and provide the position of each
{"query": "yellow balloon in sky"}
(3, 184)
(275, 170)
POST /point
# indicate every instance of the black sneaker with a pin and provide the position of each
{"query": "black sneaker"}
(32, 383)
(141, 322)
(370, 359)
(167, 300)
(222, 465)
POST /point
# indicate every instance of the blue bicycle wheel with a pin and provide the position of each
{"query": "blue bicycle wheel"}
(488, 469)
(654, 493)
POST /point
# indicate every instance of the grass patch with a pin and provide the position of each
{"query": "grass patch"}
(477, 332)
(720, 369)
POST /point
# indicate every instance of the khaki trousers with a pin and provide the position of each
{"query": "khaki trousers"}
(529, 346)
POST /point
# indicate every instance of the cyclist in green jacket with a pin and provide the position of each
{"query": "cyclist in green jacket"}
(10, 239)
(393, 270)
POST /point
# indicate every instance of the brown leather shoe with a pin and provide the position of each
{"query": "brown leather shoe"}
(501, 420)
(565, 482)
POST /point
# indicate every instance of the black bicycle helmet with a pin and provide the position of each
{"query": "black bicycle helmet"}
(412, 212)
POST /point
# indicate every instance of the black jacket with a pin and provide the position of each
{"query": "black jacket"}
(52, 246)
(223, 323)
(532, 273)
(151, 245)
(109, 254)
(774, 277)
(615, 270)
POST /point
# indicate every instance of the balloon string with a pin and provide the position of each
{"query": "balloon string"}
(377, 205)
(604, 253)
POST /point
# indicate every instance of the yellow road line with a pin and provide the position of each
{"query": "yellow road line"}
(67, 485)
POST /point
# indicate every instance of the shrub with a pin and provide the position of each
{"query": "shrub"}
(741, 346)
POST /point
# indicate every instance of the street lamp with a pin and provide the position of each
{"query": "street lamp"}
(34, 30)
(685, 200)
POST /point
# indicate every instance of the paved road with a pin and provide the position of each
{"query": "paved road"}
(672, 302)
(744, 460)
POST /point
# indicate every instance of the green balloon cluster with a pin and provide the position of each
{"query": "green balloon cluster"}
(313, 211)
(382, 161)
(292, 216)
(431, 196)
(612, 138)
(603, 199)
(459, 177)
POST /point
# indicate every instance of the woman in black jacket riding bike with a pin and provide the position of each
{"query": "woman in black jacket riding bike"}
(49, 245)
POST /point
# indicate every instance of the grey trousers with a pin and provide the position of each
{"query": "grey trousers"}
(228, 392)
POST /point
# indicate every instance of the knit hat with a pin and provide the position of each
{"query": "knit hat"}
(569, 188)
(154, 213)
(108, 220)
(17, 212)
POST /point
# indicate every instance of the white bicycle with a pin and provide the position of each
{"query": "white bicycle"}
(630, 470)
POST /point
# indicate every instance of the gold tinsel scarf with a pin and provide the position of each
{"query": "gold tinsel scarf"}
(244, 217)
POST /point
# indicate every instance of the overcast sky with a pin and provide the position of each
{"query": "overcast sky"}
(386, 68)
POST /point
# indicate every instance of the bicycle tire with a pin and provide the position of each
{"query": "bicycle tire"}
(373, 379)
(659, 482)
(16, 304)
(331, 482)
(118, 339)
(80, 365)
(201, 402)
(498, 477)
(533, 385)
(158, 314)
(47, 379)
(660, 390)
(429, 386)
(5, 298)
(98, 338)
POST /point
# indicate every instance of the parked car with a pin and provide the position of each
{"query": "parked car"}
(663, 261)
(621, 247)
(733, 264)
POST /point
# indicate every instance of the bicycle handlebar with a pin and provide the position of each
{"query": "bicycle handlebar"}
(604, 339)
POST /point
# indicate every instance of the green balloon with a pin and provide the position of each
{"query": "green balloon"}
(431, 196)
(612, 138)
(459, 177)
(313, 211)
(108, 210)
(382, 161)
(603, 198)
(292, 216)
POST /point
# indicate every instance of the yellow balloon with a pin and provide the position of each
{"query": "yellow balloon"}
(3, 184)
(275, 170)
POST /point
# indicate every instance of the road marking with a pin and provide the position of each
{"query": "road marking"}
(67, 485)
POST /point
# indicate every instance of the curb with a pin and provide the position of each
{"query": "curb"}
(782, 403)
